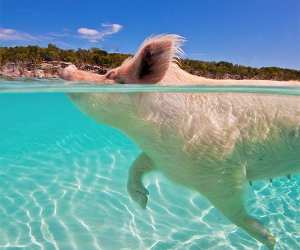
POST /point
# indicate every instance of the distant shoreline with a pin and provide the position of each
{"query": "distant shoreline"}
(45, 63)
(43, 70)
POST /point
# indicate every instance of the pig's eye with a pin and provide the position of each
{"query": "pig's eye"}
(111, 75)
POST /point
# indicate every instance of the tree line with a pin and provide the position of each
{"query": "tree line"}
(95, 56)
(36, 55)
(221, 70)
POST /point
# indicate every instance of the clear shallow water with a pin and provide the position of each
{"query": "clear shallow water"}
(63, 186)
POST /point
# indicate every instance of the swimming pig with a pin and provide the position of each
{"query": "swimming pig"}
(213, 143)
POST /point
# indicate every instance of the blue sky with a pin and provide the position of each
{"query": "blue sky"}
(249, 32)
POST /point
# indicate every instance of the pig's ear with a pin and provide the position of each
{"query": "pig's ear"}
(152, 60)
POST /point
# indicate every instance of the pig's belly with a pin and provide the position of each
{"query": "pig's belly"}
(272, 159)
(262, 161)
(176, 164)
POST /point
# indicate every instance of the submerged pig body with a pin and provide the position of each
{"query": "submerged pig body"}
(212, 143)
(256, 130)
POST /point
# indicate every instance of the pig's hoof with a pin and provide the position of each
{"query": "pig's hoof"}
(138, 193)
(271, 242)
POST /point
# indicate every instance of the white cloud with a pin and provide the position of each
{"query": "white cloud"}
(96, 35)
(114, 28)
(88, 32)
(92, 35)
(13, 35)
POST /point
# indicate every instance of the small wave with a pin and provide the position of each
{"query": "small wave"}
(60, 86)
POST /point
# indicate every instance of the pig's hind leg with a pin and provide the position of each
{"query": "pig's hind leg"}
(135, 187)
(226, 192)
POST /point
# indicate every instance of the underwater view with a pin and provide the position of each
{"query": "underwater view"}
(66, 173)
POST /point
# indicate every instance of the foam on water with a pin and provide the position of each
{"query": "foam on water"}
(63, 186)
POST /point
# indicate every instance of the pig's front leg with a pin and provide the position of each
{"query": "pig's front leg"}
(135, 187)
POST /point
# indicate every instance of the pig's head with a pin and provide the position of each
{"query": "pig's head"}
(149, 65)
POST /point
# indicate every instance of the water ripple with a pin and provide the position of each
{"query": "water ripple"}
(72, 195)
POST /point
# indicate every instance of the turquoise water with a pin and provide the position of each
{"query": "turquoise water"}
(63, 184)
